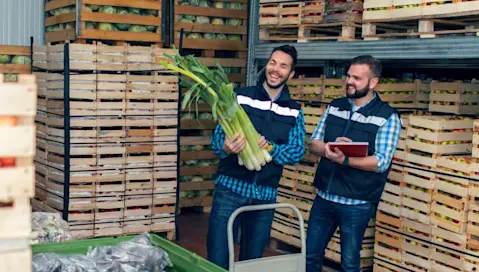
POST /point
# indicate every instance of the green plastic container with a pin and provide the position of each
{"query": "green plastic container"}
(182, 259)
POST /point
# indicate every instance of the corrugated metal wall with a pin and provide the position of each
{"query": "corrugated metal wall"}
(20, 20)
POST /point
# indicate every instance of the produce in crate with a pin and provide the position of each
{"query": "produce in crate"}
(213, 87)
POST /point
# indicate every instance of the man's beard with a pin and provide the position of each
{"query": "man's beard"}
(279, 85)
(359, 93)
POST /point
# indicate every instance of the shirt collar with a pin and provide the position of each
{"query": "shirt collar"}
(356, 108)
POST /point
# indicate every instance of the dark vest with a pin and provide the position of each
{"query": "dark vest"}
(347, 181)
(272, 120)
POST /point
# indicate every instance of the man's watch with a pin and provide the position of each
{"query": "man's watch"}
(346, 161)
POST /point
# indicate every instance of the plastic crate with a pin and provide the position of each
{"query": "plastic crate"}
(182, 259)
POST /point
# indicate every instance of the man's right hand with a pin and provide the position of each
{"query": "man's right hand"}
(235, 144)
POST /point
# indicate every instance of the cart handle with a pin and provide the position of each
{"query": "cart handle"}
(262, 207)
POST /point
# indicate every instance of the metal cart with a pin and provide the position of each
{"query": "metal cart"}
(285, 263)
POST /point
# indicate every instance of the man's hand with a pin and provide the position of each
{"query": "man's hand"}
(235, 144)
(336, 155)
(263, 143)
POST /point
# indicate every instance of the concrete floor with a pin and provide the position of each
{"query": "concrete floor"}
(193, 228)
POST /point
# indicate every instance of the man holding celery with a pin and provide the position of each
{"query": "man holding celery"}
(279, 120)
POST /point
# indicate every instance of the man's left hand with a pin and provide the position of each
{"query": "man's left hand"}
(263, 143)
(336, 155)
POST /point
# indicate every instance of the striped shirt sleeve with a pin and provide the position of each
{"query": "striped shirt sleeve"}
(386, 142)
(320, 128)
(293, 152)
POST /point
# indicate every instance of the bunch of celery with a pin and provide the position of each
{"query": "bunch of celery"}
(213, 87)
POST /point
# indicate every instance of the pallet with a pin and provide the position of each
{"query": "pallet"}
(475, 140)
(343, 31)
(306, 88)
(61, 18)
(419, 26)
(15, 54)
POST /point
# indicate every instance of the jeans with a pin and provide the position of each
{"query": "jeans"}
(255, 227)
(324, 218)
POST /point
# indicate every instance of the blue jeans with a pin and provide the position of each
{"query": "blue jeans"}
(325, 217)
(255, 227)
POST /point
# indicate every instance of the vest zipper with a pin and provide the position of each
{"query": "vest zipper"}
(348, 124)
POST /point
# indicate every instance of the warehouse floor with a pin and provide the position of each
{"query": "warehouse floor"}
(193, 228)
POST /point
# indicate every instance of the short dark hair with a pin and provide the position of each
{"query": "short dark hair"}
(374, 64)
(290, 50)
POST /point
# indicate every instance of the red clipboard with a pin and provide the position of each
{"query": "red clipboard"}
(351, 149)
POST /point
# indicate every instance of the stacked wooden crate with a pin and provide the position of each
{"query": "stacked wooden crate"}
(214, 30)
(426, 217)
(198, 164)
(116, 172)
(306, 88)
(14, 60)
(17, 149)
(387, 19)
(308, 21)
(296, 187)
(103, 20)
(475, 140)
(454, 97)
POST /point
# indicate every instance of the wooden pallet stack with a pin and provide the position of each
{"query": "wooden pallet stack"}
(333, 88)
(103, 20)
(17, 150)
(424, 19)
(121, 169)
(14, 60)
(309, 21)
(214, 30)
(475, 140)
(454, 97)
(427, 215)
(198, 164)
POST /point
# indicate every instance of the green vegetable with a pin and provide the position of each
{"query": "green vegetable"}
(21, 60)
(219, 5)
(193, 36)
(94, 7)
(204, 3)
(209, 36)
(236, 6)
(107, 9)
(202, 20)
(234, 22)
(91, 25)
(221, 36)
(137, 28)
(4, 59)
(233, 37)
(123, 27)
(218, 21)
(134, 11)
(106, 26)
(213, 86)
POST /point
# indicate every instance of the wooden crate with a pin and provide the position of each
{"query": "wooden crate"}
(397, 94)
(344, 11)
(423, 92)
(231, 23)
(15, 59)
(306, 88)
(417, 187)
(388, 246)
(454, 97)
(313, 12)
(17, 149)
(400, 153)
(312, 116)
(333, 88)
(269, 14)
(119, 23)
(430, 136)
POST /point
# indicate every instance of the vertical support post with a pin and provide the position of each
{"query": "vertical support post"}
(66, 127)
(31, 54)
(178, 136)
(253, 39)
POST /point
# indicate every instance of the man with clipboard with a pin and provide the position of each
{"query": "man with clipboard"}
(356, 139)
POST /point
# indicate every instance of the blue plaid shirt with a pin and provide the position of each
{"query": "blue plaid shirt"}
(386, 142)
(286, 154)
